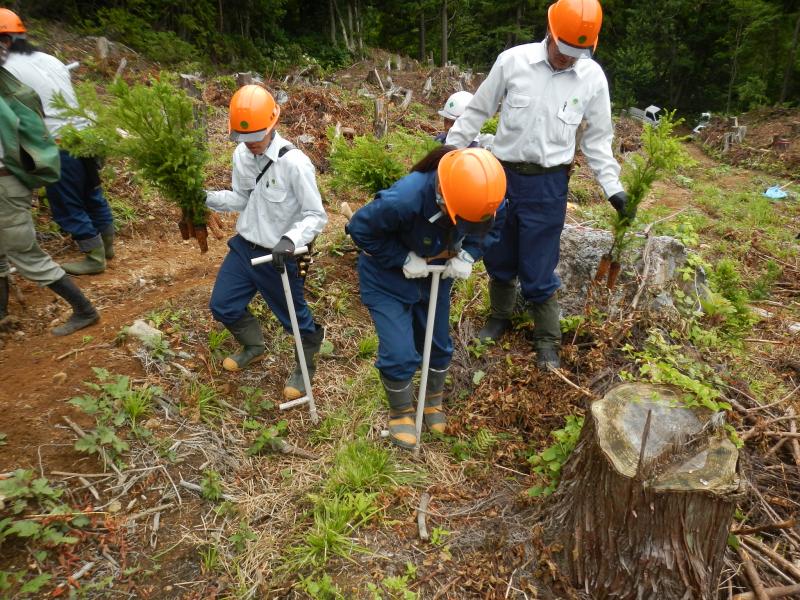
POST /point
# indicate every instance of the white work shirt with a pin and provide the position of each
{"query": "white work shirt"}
(285, 202)
(541, 111)
(48, 77)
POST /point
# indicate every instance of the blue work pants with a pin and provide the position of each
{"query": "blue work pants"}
(399, 309)
(529, 243)
(238, 281)
(77, 204)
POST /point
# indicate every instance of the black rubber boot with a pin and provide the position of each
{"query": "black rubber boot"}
(402, 429)
(83, 313)
(502, 297)
(108, 241)
(247, 331)
(3, 297)
(295, 386)
(435, 419)
(546, 332)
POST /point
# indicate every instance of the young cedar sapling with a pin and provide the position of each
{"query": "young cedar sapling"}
(661, 155)
(155, 127)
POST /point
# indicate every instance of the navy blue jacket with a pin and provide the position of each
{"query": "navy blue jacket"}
(397, 221)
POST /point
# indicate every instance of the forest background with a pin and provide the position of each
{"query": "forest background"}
(690, 55)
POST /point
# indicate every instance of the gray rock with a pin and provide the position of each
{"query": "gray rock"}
(149, 336)
(581, 250)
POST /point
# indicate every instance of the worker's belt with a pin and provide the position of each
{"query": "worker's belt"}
(527, 168)
(253, 246)
(5, 172)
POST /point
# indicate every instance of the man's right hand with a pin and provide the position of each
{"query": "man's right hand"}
(415, 266)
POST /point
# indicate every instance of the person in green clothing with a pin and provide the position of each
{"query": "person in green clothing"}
(29, 158)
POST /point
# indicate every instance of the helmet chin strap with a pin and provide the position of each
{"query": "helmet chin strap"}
(439, 203)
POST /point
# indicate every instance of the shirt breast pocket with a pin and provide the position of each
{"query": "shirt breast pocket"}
(277, 203)
(514, 111)
(566, 126)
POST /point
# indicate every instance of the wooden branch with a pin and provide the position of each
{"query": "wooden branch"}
(759, 593)
(284, 447)
(566, 380)
(788, 524)
(773, 592)
(150, 511)
(763, 548)
(645, 435)
(795, 445)
(422, 511)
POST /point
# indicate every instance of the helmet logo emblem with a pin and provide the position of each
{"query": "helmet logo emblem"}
(582, 39)
(244, 124)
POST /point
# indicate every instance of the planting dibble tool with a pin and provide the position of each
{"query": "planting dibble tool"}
(435, 272)
(298, 342)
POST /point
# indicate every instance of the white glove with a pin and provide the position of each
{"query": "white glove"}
(415, 266)
(459, 266)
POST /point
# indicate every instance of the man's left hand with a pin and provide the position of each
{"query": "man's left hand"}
(282, 250)
(459, 266)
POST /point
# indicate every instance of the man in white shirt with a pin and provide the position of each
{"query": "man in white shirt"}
(76, 200)
(546, 89)
(280, 209)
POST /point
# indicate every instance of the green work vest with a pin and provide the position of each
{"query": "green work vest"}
(29, 150)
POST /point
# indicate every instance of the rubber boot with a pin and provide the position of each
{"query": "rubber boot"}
(93, 263)
(546, 332)
(402, 429)
(502, 297)
(247, 331)
(83, 313)
(3, 297)
(435, 419)
(108, 241)
(295, 386)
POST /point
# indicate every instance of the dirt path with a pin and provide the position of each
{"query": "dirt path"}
(39, 372)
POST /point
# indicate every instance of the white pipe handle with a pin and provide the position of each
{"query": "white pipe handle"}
(268, 258)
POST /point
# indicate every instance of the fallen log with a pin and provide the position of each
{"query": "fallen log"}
(774, 592)
(646, 499)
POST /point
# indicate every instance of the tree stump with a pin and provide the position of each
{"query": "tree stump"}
(646, 499)
(780, 143)
(380, 124)
(243, 79)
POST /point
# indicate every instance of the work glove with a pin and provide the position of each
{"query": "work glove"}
(620, 203)
(459, 266)
(415, 266)
(282, 250)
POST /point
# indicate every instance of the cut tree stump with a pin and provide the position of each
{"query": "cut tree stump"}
(646, 499)
(380, 124)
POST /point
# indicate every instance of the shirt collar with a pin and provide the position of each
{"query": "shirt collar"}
(538, 55)
(277, 143)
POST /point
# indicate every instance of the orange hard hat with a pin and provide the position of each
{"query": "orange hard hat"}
(253, 113)
(10, 23)
(575, 26)
(473, 185)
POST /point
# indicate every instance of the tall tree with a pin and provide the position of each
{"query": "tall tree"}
(791, 61)
(444, 33)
